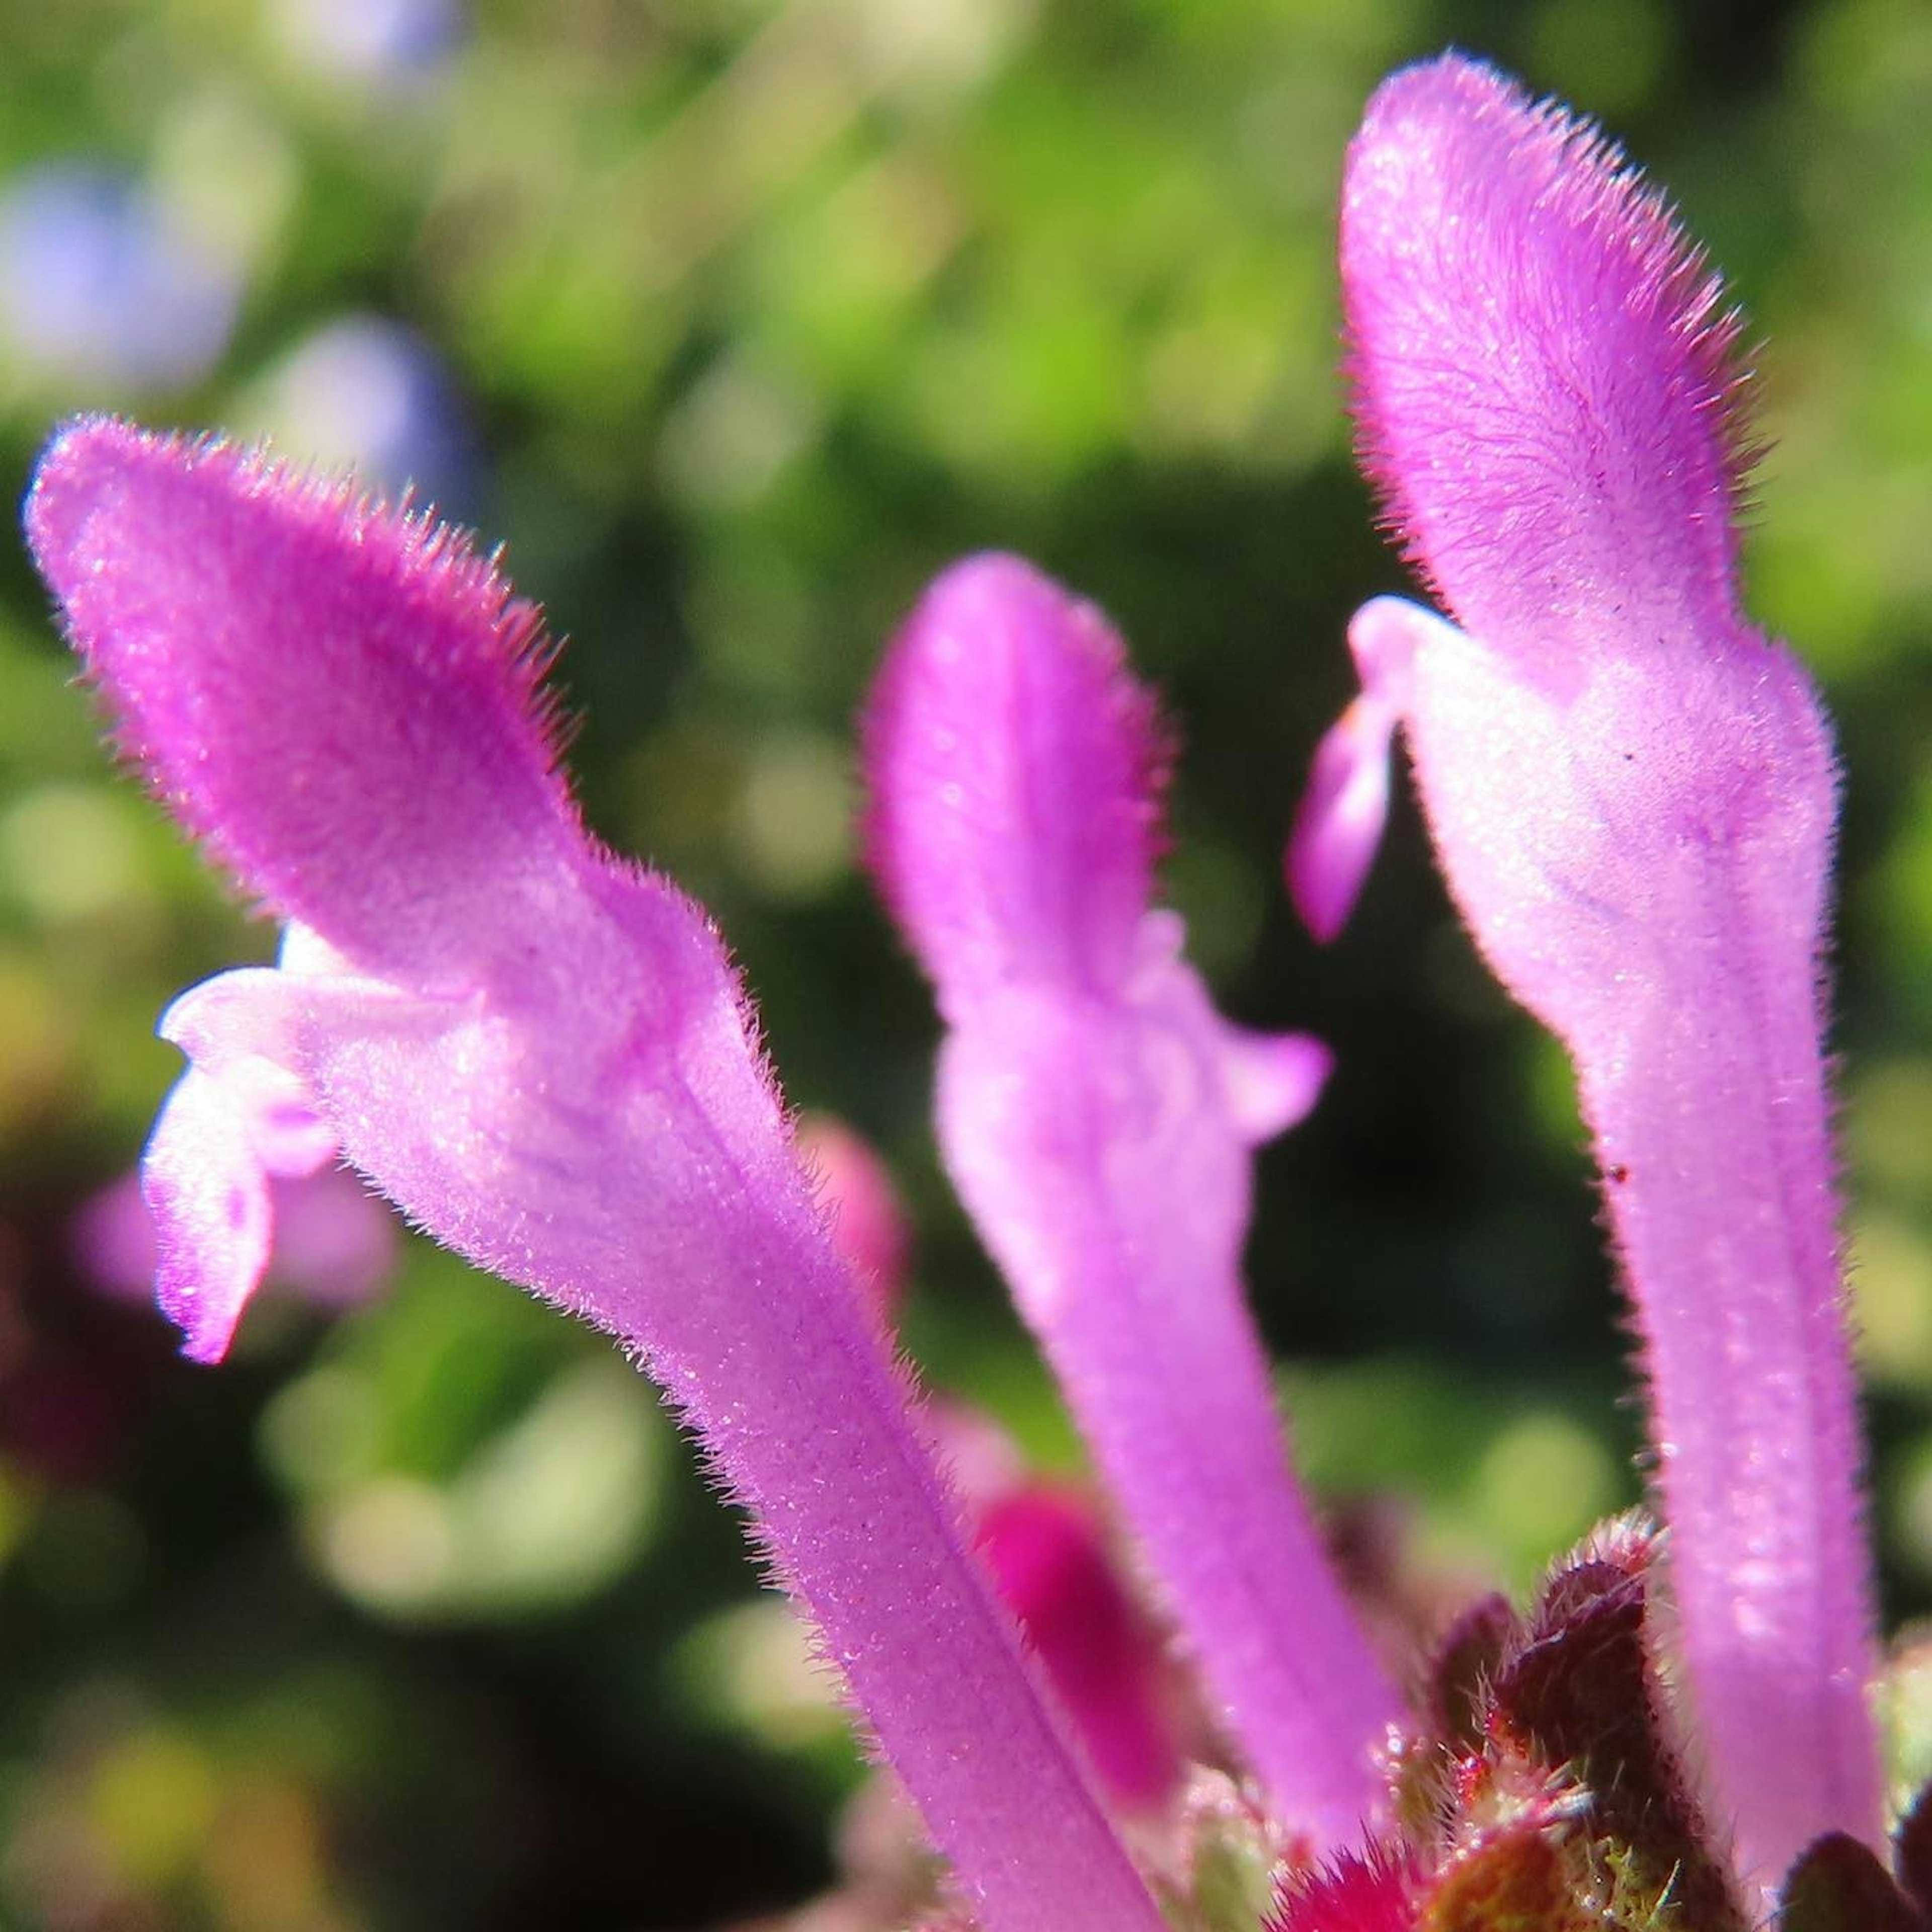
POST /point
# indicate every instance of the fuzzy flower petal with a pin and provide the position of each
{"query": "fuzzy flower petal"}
(1345, 808)
(1044, 770)
(344, 706)
(1097, 1117)
(1506, 271)
(1270, 1081)
(207, 1191)
(1633, 796)
(542, 1055)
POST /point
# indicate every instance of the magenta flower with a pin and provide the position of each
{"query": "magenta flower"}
(867, 1220)
(540, 1053)
(1097, 1117)
(1047, 1547)
(1632, 794)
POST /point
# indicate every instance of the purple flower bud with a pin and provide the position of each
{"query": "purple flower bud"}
(1048, 1550)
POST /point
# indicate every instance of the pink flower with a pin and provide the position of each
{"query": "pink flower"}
(868, 1226)
(1632, 794)
(1047, 1548)
(540, 1053)
(1098, 1118)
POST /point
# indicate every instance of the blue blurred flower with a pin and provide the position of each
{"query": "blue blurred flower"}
(365, 393)
(103, 281)
(384, 43)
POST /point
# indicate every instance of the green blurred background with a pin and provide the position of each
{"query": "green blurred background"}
(735, 322)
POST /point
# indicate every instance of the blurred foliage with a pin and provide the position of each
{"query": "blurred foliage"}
(736, 321)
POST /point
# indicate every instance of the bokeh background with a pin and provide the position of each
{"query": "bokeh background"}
(735, 322)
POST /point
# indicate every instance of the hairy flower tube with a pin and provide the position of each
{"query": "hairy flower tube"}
(541, 1053)
(1632, 795)
(1097, 1117)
